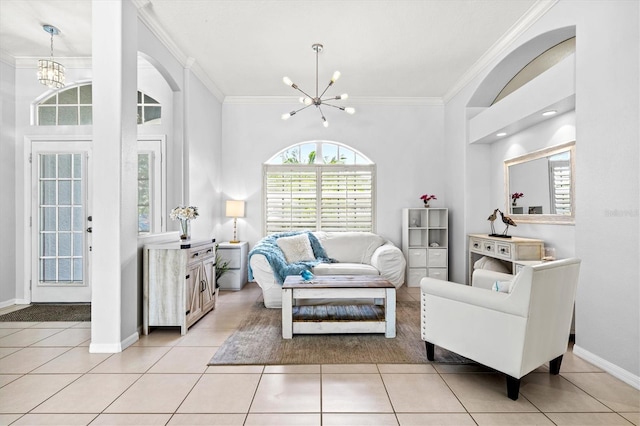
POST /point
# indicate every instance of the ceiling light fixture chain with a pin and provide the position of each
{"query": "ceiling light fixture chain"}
(318, 99)
(51, 73)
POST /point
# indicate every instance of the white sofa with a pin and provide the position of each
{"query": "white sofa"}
(356, 253)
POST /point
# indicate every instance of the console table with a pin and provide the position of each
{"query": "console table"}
(512, 251)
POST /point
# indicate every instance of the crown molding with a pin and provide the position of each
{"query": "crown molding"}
(69, 63)
(7, 59)
(145, 15)
(534, 13)
(279, 100)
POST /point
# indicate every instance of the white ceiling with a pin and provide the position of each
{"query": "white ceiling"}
(383, 48)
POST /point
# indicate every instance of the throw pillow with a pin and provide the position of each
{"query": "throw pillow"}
(296, 248)
(502, 286)
(491, 264)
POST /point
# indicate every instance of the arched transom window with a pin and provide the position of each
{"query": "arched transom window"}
(72, 106)
(319, 186)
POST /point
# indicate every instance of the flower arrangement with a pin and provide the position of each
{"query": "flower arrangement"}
(184, 215)
(426, 198)
(515, 196)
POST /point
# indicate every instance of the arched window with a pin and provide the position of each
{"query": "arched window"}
(319, 186)
(72, 106)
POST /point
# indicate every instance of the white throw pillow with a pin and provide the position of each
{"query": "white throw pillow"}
(491, 264)
(296, 248)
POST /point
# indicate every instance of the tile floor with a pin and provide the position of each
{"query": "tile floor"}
(48, 377)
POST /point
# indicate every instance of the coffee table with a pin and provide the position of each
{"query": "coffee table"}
(328, 319)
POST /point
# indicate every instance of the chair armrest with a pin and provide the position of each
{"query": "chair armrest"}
(390, 262)
(484, 278)
(480, 297)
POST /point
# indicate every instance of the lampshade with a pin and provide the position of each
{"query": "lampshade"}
(235, 208)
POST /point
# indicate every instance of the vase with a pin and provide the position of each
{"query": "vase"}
(426, 205)
(185, 229)
(514, 203)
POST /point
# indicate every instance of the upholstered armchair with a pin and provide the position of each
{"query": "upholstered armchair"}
(513, 332)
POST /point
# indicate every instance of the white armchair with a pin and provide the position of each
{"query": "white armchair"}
(514, 332)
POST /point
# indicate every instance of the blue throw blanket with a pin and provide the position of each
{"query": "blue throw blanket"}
(274, 255)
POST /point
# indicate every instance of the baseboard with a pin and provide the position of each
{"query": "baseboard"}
(617, 372)
(130, 340)
(12, 302)
(8, 303)
(112, 348)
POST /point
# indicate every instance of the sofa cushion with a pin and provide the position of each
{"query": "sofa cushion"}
(350, 247)
(296, 248)
(491, 264)
(344, 269)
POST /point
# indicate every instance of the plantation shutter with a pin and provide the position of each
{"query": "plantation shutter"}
(290, 196)
(319, 197)
(347, 199)
(560, 187)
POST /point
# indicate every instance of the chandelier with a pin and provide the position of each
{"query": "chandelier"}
(318, 101)
(51, 73)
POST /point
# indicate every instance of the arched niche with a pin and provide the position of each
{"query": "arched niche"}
(515, 61)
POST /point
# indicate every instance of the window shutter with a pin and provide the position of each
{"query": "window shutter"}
(320, 197)
(561, 187)
(290, 199)
(347, 199)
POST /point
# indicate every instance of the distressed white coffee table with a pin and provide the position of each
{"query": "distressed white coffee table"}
(327, 319)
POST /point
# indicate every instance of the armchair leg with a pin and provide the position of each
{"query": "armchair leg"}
(430, 351)
(554, 365)
(513, 387)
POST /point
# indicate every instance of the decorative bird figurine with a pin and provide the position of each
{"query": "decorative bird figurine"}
(491, 219)
(507, 221)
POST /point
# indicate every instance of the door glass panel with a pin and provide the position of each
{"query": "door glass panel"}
(48, 193)
(64, 192)
(61, 221)
(64, 243)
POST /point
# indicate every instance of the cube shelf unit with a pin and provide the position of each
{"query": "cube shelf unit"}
(425, 243)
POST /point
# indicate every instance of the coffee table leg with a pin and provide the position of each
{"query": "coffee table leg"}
(390, 313)
(287, 313)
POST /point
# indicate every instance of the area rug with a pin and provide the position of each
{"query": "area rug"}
(49, 312)
(258, 341)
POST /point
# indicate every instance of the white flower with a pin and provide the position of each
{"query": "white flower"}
(183, 213)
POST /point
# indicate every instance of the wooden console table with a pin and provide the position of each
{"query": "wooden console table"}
(510, 250)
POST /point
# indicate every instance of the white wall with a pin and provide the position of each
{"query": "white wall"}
(405, 142)
(607, 159)
(203, 124)
(7, 177)
(607, 229)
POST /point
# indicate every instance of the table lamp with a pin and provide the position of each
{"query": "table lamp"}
(235, 209)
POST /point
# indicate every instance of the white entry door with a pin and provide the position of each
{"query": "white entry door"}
(60, 222)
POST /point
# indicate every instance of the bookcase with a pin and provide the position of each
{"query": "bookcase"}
(425, 243)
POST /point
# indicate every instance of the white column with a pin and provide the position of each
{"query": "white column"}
(114, 193)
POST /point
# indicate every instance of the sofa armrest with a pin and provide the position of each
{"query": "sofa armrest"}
(484, 278)
(390, 262)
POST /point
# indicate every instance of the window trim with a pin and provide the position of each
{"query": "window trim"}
(156, 145)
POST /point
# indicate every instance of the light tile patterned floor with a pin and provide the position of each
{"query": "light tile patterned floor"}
(47, 376)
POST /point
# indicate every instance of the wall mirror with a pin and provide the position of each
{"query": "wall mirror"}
(546, 180)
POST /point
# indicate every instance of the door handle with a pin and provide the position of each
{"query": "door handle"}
(90, 229)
